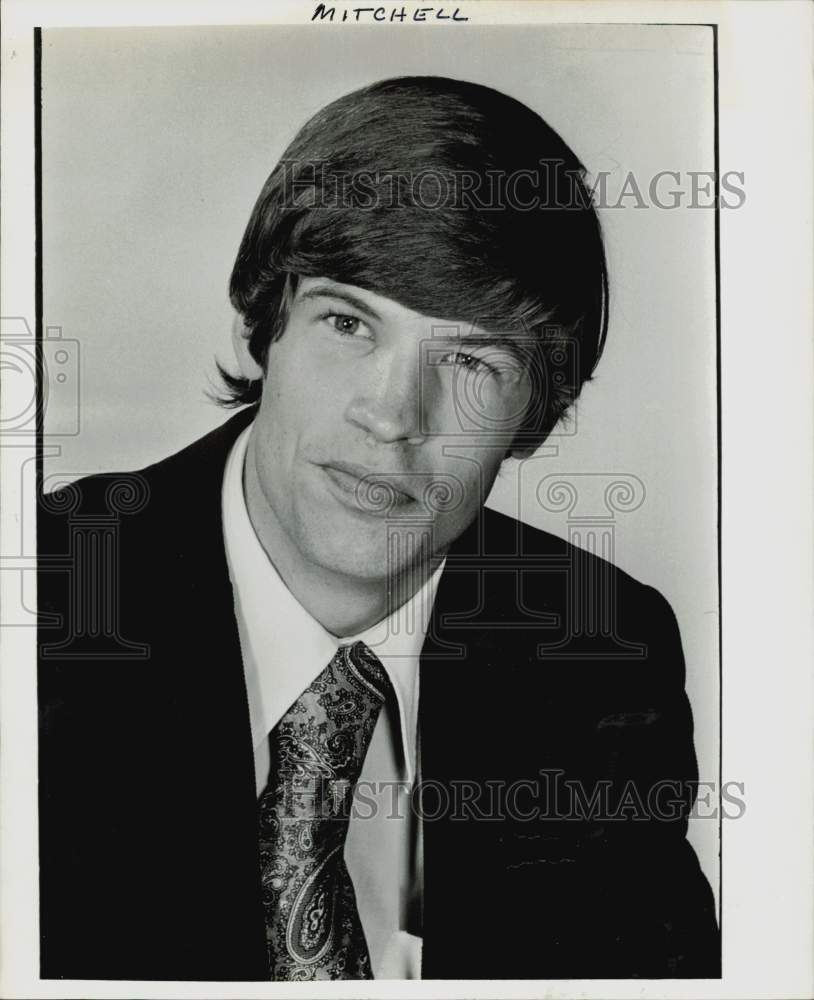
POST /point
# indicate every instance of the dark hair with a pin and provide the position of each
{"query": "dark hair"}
(454, 200)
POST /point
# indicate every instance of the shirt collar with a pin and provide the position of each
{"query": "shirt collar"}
(285, 648)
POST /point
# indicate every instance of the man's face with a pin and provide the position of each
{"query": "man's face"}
(380, 431)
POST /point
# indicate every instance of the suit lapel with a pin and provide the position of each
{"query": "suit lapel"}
(464, 715)
(492, 715)
(214, 784)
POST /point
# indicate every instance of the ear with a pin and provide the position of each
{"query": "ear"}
(249, 368)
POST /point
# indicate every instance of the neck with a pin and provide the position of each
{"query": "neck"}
(344, 605)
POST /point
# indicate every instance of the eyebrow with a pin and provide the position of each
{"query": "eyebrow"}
(326, 291)
(507, 343)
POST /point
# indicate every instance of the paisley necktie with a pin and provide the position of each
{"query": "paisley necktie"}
(317, 749)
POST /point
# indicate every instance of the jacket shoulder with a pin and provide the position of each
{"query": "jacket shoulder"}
(571, 602)
(505, 536)
(161, 497)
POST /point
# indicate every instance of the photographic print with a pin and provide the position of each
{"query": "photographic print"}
(384, 559)
(378, 664)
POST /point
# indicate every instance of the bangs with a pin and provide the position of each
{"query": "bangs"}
(411, 257)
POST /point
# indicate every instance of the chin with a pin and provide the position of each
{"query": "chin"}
(347, 553)
(366, 556)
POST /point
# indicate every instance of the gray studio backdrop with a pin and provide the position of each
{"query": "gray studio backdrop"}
(155, 145)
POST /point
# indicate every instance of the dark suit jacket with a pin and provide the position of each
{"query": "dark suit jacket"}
(542, 739)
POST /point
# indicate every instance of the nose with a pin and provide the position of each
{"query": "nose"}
(387, 403)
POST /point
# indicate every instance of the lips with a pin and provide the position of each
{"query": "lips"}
(373, 491)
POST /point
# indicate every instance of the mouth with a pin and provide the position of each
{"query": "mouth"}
(376, 493)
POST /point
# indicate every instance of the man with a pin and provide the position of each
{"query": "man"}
(252, 651)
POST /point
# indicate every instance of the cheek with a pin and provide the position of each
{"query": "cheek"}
(305, 393)
(481, 404)
(463, 483)
(284, 401)
(510, 403)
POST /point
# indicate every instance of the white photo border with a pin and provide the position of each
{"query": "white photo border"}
(767, 315)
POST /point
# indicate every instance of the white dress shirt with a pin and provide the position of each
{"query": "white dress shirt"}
(284, 649)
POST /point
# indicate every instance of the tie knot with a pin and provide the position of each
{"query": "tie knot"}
(360, 665)
(325, 734)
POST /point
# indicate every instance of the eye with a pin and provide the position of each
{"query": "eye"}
(470, 362)
(344, 323)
